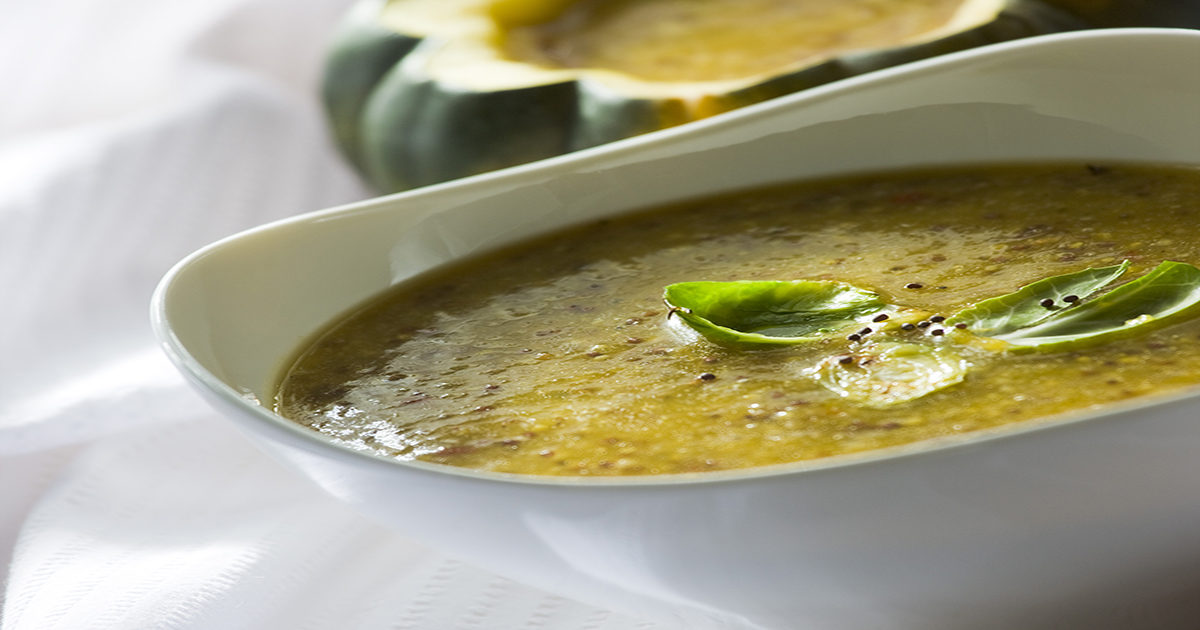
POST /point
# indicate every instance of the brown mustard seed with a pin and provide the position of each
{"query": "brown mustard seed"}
(854, 337)
(923, 324)
(1071, 299)
(846, 360)
(937, 332)
(908, 326)
(937, 319)
(865, 331)
(960, 325)
(1048, 303)
(913, 285)
(882, 317)
(707, 376)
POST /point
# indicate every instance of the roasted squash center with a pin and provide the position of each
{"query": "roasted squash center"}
(713, 40)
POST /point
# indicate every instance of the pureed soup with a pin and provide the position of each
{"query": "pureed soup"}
(777, 325)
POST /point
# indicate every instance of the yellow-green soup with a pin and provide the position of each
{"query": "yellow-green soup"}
(557, 356)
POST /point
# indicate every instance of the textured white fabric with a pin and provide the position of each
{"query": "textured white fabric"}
(131, 133)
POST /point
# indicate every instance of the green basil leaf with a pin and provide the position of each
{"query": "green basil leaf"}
(1168, 293)
(888, 373)
(1023, 308)
(749, 313)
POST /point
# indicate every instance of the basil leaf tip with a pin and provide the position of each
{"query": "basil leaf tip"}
(1028, 305)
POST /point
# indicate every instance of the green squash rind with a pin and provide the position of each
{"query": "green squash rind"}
(417, 130)
(1122, 13)
(361, 53)
(404, 128)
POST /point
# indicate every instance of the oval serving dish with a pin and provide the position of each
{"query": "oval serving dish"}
(1091, 520)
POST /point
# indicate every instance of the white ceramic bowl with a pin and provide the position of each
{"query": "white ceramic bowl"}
(1089, 520)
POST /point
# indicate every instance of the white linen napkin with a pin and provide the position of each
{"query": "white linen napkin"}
(131, 133)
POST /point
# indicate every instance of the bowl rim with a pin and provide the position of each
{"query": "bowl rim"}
(316, 442)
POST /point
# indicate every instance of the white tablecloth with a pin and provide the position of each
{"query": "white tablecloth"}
(131, 133)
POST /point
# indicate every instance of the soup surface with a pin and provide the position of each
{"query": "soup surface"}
(559, 357)
(686, 40)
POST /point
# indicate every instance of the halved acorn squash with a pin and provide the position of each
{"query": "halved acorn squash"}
(423, 91)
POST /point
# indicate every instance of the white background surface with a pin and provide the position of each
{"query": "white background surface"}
(131, 133)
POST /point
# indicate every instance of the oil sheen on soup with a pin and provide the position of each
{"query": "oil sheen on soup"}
(911, 319)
